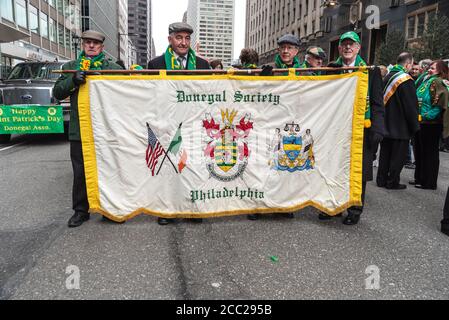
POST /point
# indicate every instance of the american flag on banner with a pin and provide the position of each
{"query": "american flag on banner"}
(154, 150)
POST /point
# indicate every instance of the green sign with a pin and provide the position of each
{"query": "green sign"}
(31, 119)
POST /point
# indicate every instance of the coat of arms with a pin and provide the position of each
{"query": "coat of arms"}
(227, 149)
(292, 151)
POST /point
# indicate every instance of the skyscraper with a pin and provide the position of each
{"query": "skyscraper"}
(103, 18)
(213, 25)
(267, 21)
(139, 23)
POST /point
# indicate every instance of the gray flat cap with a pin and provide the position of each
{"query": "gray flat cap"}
(180, 27)
(289, 38)
(94, 35)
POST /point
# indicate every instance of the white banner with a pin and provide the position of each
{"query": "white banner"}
(203, 146)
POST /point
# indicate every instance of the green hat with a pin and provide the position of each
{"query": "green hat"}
(317, 52)
(351, 35)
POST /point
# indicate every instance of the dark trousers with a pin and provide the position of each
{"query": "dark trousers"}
(393, 155)
(79, 191)
(427, 155)
(445, 222)
(356, 210)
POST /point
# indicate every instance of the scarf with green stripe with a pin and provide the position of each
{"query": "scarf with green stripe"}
(84, 63)
(398, 68)
(281, 65)
(249, 66)
(359, 62)
(173, 64)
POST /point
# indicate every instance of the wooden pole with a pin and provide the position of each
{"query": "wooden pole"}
(207, 72)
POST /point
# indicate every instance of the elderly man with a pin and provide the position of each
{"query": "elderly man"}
(91, 58)
(314, 59)
(287, 56)
(349, 48)
(178, 56)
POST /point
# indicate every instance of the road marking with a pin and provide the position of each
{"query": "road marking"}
(14, 145)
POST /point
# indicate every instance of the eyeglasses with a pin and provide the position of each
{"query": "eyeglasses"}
(287, 47)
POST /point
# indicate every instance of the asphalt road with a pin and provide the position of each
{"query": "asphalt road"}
(222, 258)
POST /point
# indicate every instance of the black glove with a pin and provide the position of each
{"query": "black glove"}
(267, 70)
(79, 78)
(374, 139)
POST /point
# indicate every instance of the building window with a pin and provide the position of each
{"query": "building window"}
(53, 31)
(417, 22)
(34, 21)
(61, 6)
(21, 13)
(67, 38)
(6, 8)
(61, 34)
(44, 25)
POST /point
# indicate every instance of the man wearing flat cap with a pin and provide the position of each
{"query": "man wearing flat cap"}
(179, 55)
(288, 52)
(314, 59)
(91, 58)
(349, 48)
(287, 56)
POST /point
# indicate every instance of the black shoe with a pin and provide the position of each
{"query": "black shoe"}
(420, 186)
(78, 219)
(323, 216)
(164, 221)
(288, 215)
(381, 185)
(351, 219)
(396, 187)
(196, 220)
(445, 227)
(106, 219)
(253, 217)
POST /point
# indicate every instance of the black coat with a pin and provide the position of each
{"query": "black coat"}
(401, 111)
(158, 63)
(377, 122)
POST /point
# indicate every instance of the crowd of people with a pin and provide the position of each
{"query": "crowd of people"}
(405, 112)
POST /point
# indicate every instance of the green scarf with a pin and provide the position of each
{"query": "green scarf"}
(249, 66)
(94, 63)
(398, 68)
(281, 65)
(359, 62)
(173, 64)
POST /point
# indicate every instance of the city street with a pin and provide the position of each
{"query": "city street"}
(222, 258)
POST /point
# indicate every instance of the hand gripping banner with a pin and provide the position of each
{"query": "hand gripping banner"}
(217, 145)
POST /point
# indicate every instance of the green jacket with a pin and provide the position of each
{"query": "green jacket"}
(64, 87)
